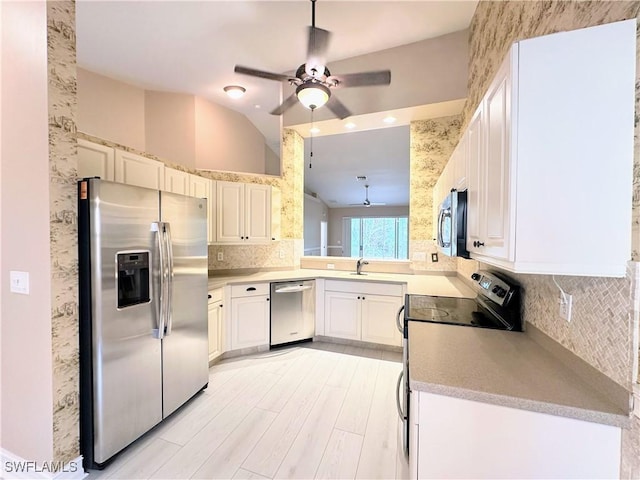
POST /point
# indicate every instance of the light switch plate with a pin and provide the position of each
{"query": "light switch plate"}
(19, 282)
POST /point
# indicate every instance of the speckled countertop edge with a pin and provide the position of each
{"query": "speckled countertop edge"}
(606, 418)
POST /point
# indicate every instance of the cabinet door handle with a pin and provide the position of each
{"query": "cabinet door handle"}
(208, 296)
(363, 298)
(251, 289)
(267, 299)
(476, 243)
(358, 298)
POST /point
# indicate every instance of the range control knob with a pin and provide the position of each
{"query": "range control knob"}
(475, 276)
(499, 291)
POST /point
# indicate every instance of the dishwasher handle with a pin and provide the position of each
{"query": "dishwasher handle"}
(292, 288)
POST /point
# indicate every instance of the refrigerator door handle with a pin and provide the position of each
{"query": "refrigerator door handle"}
(169, 251)
(158, 295)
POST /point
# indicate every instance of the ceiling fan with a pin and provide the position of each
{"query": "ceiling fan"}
(366, 202)
(313, 79)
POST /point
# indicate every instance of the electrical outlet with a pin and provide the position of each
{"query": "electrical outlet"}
(434, 257)
(220, 256)
(281, 253)
(565, 306)
(331, 266)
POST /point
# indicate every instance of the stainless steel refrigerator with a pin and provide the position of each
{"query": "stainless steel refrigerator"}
(143, 311)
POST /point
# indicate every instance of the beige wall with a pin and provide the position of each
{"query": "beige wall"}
(170, 126)
(26, 418)
(227, 140)
(183, 129)
(111, 109)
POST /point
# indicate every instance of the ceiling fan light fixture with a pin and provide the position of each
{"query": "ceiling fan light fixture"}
(234, 91)
(313, 95)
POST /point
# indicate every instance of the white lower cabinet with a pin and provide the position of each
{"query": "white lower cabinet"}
(379, 319)
(250, 309)
(362, 311)
(216, 322)
(342, 315)
(457, 438)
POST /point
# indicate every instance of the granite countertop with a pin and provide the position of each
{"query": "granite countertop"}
(432, 284)
(508, 369)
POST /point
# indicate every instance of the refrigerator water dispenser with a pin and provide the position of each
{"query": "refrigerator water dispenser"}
(133, 278)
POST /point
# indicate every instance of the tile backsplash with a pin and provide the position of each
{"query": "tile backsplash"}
(285, 253)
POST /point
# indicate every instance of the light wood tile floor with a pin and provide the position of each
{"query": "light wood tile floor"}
(317, 410)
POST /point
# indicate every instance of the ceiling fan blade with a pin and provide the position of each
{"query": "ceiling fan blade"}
(290, 101)
(261, 74)
(317, 47)
(338, 108)
(364, 79)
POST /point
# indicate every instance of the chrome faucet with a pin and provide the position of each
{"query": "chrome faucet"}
(359, 264)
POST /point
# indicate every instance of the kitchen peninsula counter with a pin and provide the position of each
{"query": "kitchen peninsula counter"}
(430, 284)
(512, 369)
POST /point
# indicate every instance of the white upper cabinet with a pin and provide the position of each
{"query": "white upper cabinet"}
(243, 213)
(460, 165)
(257, 213)
(550, 156)
(230, 207)
(475, 178)
(176, 181)
(137, 170)
(95, 160)
(490, 234)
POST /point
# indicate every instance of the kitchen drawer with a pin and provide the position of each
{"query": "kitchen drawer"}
(249, 290)
(371, 288)
(215, 295)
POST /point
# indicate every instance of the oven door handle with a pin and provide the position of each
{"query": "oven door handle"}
(398, 321)
(398, 404)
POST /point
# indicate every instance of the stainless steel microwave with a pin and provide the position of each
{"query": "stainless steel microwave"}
(452, 225)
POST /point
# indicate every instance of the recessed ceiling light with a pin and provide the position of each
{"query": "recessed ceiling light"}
(350, 125)
(389, 119)
(234, 91)
(257, 106)
(314, 130)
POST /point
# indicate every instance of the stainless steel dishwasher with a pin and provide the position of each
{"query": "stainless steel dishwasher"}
(293, 311)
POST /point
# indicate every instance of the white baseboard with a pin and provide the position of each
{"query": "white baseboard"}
(16, 468)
